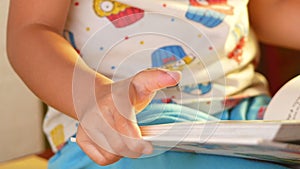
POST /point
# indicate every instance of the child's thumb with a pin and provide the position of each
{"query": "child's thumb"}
(155, 79)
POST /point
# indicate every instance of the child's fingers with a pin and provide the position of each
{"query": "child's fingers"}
(97, 154)
(131, 135)
(123, 135)
(114, 133)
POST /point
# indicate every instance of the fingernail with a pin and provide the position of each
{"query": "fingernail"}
(175, 74)
(148, 149)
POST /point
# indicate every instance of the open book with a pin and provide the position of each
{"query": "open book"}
(276, 138)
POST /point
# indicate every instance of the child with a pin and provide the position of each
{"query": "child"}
(198, 52)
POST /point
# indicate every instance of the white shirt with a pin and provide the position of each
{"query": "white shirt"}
(207, 40)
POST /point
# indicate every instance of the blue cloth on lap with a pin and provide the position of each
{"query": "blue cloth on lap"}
(71, 156)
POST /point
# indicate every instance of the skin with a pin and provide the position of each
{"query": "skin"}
(35, 46)
(276, 21)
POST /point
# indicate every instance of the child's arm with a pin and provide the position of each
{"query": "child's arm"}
(276, 21)
(45, 61)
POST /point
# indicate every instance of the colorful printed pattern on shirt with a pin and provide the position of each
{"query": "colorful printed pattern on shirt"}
(119, 14)
(121, 38)
(210, 13)
(207, 40)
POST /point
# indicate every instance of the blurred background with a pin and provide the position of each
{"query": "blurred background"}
(21, 113)
(278, 65)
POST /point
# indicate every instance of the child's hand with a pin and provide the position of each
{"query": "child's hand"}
(109, 131)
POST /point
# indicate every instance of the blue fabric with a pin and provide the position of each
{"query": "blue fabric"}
(71, 156)
(170, 113)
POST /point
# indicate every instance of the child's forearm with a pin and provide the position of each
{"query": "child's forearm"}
(276, 21)
(45, 62)
(37, 52)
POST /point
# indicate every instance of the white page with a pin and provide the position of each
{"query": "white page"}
(285, 105)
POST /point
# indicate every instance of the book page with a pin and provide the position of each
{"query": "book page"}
(285, 105)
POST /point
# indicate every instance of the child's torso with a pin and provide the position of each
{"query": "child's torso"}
(207, 40)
